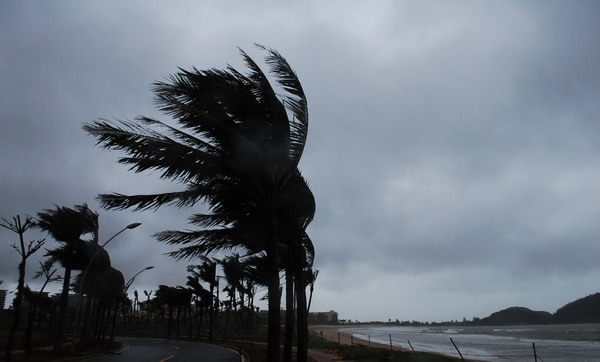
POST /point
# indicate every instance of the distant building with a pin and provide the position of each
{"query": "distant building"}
(3, 297)
(330, 317)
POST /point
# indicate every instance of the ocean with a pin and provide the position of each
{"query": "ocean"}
(564, 343)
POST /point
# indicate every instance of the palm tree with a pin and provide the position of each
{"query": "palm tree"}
(66, 226)
(104, 288)
(166, 295)
(297, 211)
(238, 136)
(204, 298)
(147, 293)
(92, 281)
(233, 269)
(183, 300)
(207, 271)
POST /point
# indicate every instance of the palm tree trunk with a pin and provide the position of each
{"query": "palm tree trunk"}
(274, 324)
(169, 322)
(251, 310)
(288, 338)
(177, 322)
(86, 319)
(211, 322)
(17, 305)
(114, 321)
(31, 319)
(62, 312)
(199, 313)
(228, 316)
(302, 312)
(191, 321)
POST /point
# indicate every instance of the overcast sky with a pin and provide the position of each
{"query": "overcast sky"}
(453, 149)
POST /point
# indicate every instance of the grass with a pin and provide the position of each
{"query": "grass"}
(257, 351)
(369, 354)
(38, 338)
(361, 353)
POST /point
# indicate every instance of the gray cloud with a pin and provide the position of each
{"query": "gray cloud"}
(452, 151)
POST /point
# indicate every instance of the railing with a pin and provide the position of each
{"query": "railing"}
(406, 345)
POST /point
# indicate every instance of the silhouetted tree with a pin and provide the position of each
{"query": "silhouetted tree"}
(147, 293)
(207, 272)
(239, 137)
(233, 269)
(25, 250)
(47, 270)
(91, 283)
(66, 226)
(174, 298)
(204, 298)
(296, 213)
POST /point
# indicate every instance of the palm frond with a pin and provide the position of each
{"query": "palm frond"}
(186, 198)
(296, 103)
(151, 150)
(309, 249)
(275, 117)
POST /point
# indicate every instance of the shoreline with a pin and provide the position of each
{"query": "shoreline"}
(559, 341)
(334, 333)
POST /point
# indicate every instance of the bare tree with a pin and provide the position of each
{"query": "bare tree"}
(47, 270)
(25, 250)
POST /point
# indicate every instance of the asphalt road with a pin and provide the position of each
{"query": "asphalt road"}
(162, 350)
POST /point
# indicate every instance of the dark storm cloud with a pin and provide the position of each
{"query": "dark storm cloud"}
(448, 141)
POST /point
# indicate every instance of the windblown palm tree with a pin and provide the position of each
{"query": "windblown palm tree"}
(67, 226)
(174, 297)
(233, 269)
(204, 298)
(239, 138)
(207, 272)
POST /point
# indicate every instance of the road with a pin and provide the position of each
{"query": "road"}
(162, 350)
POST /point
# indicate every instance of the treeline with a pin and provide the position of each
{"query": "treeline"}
(233, 144)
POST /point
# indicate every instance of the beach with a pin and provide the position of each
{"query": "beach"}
(552, 343)
(335, 333)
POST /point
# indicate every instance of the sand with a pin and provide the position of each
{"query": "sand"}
(335, 333)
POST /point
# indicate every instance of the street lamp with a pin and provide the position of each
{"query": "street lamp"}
(130, 226)
(130, 281)
(87, 268)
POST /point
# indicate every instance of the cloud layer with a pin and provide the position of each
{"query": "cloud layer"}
(453, 147)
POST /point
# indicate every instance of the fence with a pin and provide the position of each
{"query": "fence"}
(377, 340)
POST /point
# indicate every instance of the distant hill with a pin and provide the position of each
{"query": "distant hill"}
(517, 316)
(584, 310)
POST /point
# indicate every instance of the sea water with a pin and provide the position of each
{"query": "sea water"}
(555, 343)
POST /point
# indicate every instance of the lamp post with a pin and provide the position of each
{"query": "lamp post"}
(130, 281)
(130, 226)
(87, 268)
(117, 303)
